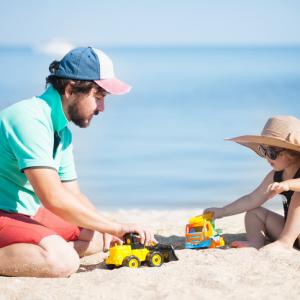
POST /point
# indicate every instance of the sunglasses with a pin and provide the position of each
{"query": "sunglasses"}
(269, 152)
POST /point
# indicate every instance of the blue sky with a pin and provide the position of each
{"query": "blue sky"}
(150, 22)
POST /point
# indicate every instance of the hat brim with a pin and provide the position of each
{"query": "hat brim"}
(253, 141)
(114, 86)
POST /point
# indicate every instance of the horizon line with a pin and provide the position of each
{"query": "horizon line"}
(171, 45)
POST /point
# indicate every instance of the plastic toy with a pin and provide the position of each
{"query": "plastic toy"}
(132, 254)
(201, 233)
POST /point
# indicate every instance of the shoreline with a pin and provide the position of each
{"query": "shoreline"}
(195, 207)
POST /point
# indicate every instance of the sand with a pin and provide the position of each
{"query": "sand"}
(199, 274)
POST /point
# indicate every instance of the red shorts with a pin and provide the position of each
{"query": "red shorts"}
(19, 228)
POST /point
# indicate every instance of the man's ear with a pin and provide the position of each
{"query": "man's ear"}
(68, 90)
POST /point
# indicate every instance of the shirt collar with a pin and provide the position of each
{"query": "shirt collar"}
(58, 117)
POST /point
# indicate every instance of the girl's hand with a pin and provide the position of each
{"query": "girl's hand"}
(217, 212)
(276, 188)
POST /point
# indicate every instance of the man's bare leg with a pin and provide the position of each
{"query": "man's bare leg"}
(259, 223)
(89, 242)
(43, 260)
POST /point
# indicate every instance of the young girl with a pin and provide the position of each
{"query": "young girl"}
(279, 144)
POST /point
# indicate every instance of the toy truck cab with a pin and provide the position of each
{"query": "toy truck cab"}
(201, 233)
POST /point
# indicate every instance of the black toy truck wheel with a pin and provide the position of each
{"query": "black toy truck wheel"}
(110, 267)
(131, 262)
(155, 259)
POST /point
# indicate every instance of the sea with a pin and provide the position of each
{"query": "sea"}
(162, 145)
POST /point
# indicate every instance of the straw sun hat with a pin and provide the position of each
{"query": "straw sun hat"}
(279, 131)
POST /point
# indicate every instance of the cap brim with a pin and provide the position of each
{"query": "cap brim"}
(114, 86)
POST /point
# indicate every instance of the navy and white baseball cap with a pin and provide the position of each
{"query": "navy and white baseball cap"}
(87, 63)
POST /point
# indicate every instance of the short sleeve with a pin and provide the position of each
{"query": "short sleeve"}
(31, 140)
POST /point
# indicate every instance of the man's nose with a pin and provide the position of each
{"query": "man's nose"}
(101, 105)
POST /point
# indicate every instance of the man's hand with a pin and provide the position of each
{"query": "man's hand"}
(276, 188)
(216, 212)
(146, 235)
(109, 240)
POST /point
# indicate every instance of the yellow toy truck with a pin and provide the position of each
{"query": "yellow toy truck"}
(133, 253)
(200, 233)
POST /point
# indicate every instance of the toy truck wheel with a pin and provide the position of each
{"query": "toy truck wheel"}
(110, 266)
(155, 259)
(131, 262)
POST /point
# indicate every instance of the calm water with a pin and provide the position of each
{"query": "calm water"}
(162, 145)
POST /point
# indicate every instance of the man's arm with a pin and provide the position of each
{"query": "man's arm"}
(73, 187)
(59, 200)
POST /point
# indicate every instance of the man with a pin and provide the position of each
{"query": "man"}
(46, 223)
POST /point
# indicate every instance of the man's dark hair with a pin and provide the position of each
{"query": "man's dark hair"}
(78, 86)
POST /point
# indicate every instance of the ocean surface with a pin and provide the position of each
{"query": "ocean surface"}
(162, 145)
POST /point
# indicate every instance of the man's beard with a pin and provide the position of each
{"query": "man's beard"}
(75, 117)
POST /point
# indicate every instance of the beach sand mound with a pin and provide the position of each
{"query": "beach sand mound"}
(199, 274)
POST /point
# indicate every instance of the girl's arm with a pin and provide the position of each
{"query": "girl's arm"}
(286, 185)
(245, 203)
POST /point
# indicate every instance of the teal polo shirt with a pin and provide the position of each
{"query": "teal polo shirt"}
(33, 133)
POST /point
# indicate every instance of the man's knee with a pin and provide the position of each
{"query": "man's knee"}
(60, 258)
(49, 260)
(62, 265)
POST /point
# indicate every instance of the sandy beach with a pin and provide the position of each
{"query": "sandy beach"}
(199, 274)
